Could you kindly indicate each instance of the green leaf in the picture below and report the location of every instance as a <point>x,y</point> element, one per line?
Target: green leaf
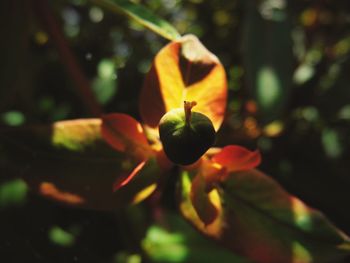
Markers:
<point>176,241</point>
<point>13,118</point>
<point>12,192</point>
<point>268,58</point>
<point>69,162</point>
<point>264,223</point>
<point>61,237</point>
<point>105,84</point>
<point>141,15</point>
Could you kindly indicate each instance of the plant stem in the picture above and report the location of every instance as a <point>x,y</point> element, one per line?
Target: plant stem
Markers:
<point>81,84</point>
<point>188,105</point>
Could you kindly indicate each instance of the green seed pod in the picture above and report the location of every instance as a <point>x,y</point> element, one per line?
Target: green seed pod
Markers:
<point>186,135</point>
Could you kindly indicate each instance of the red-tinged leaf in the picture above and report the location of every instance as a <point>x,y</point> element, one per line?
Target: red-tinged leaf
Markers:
<point>163,161</point>
<point>141,183</point>
<point>125,134</point>
<point>70,162</point>
<point>122,181</point>
<point>50,191</point>
<point>184,70</point>
<point>237,158</point>
<point>201,202</point>
<point>213,229</point>
<point>264,223</point>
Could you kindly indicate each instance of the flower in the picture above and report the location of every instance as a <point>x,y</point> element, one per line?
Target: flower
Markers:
<point>182,70</point>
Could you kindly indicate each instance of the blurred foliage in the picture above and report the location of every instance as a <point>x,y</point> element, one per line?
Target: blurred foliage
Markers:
<point>13,193</point>
<point>293,104</point>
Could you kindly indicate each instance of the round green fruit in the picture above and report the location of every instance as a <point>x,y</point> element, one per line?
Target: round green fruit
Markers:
<point>186,135</point>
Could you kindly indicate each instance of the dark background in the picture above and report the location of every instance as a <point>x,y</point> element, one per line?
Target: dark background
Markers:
<point>302,132</point>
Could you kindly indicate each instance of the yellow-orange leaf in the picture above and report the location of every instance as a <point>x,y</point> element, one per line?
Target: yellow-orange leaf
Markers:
<point>184,70</point>
<point>70,163</point>
<point>266,224</point>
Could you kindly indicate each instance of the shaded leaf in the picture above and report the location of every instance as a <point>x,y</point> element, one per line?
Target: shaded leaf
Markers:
<point>266,224</point>
<point>125,134</point>
<point>187,209</point>
<point>122,181</point>
<point>268,57</point>
<point>201,202</point>
<point>141,185</point>
<point>70,162</point>
<point>237,158</point>
<point>141,180</point>
<point>173,240</point>
<point>141,15</point>
<point>184,70</point>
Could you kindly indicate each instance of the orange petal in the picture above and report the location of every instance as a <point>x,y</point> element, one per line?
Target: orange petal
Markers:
<point>237,158</point>
<point>184,70</point>
<point>125,134</point>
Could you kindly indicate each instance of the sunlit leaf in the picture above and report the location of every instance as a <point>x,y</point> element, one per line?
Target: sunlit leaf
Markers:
<point>266,224</point>
<point>75,135</point>
<point>184,70</point>
<point>237,158</point>
<point>69,162</point>
<point>125,134</point>
<point>141,15</point>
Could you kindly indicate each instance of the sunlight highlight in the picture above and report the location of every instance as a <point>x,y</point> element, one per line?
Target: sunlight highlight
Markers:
<point>301,214</point>
<point>300,254</point>
<point>164,246</point>
<point>144,193</point>
<point>214,229</point>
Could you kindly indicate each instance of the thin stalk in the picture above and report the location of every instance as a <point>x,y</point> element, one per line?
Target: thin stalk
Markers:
<point>188,105</point>
<point>81,84</point>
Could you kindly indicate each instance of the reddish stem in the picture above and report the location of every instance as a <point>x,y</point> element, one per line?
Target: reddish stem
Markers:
<point>188,105</point>
<point>81,84</point>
